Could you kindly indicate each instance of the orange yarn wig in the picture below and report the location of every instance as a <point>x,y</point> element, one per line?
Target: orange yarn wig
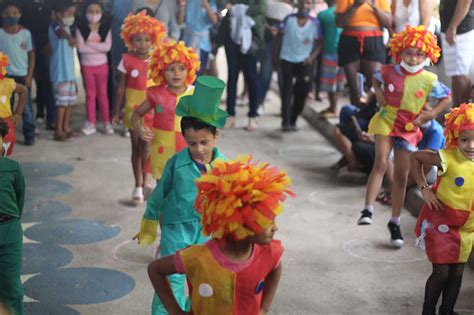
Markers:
<point>141,23</point>
<point>4,63</point>
<point>415,37</point>
<point>168,52</point>
<point>240,199</point>
<point>458,120</point>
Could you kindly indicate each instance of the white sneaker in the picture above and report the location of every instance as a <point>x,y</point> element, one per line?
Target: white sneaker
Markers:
<point>137,195</point>
<point>109,129</point>
<point>39,120</point>
<point>126,133</point>
<point>89,128</point>
<point>37,131</point>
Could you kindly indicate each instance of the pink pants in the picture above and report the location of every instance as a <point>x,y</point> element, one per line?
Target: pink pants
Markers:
<point>95,82</point>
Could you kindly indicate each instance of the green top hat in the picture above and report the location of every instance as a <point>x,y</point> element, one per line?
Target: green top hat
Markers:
<point>203,104</point>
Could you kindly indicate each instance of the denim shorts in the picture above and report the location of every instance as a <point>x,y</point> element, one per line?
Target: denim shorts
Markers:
<point>401,144</point>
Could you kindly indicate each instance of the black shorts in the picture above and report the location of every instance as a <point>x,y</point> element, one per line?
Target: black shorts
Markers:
<point>349,50</point>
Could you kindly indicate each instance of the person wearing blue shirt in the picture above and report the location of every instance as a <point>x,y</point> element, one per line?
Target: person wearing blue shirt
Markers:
<point>301,43</point>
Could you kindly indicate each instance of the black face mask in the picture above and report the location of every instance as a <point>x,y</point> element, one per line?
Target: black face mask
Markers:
<point>302,13</point>
<point>11,20</point>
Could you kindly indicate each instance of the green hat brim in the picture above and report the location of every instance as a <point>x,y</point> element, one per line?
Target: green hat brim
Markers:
<point>183,110</point>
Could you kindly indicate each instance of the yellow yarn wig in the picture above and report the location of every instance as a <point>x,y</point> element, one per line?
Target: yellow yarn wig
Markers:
<point>239,198</point>
<point>168,52</point>
<point>458,120</point>
<point>141,23</point>
<point>4,63</point>
<point>415,37</point>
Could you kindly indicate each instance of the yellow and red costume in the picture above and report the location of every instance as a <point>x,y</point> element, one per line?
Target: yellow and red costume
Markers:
<point>166,124</point>
<point>449,234</point>
<point>7,87</point>
<point>406,93</point>
<point>136,69</point>
<point>236,200</point>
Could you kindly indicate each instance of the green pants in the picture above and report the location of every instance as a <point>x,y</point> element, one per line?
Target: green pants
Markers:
<point>11,245</point>
<point>173,238</point>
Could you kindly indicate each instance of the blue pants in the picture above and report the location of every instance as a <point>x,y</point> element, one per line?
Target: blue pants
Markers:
<point>173,238</point>
<point>28,125</point>
<point>237,61</point>
<point>266,71</point>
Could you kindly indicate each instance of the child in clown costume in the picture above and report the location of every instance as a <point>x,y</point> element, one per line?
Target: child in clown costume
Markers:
<point>7,88</point>
<point>172,202</point>
<point>402,91</point>
<point>12,196</point>
<point>139,33</point>
<point>445,227</point>
<point>173,69</point>
<point>238,270</point>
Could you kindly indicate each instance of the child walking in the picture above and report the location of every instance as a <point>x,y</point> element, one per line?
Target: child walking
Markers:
<point>173,69</point>
<point>238,270</point>
<point>445,227</point>
<point>61,66</point>
<point>140,33</point>
<point>402,91</point>
<point>94,41</point>
<point>7,88</point>
<point>172,202</point>
<point>12,195</point>
<point>16,42</point>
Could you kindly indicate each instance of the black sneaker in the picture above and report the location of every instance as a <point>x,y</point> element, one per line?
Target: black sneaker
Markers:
<point>365,218</point>
<point>396,237</point>
<point>29,141</point>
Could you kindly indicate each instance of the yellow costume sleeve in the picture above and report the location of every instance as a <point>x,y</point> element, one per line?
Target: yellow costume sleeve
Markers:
<point>147,235</point>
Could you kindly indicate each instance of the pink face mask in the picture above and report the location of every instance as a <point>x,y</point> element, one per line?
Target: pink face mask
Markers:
<point>93,18</point>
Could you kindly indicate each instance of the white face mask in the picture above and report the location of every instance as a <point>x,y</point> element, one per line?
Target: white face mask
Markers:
<point>412,69</point>
<point>68,21</point>
<point>93,18</point>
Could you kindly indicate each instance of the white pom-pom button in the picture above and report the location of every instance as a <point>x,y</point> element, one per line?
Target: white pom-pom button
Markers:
<point>135,73</point>
<point>443,228</point>
<point>391,87</point>
<point>3,99</point>
<point>205,290</point>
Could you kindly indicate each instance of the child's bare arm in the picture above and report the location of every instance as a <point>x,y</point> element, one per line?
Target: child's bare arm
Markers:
<point>61,32</point>
<point>433,112</point>
<point>122,83</point>
<point>22,92</point>
<point>378,92</point>
<point>157,271</point>
<point>316,50</point>
<point>417,160</point>
<point>271,285</point>
<point>31,68</point>
<point>145,133</point>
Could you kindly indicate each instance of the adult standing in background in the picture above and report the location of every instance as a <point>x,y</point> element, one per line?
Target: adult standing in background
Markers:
<point>457,39</point>
<point>361,47</point>
<point>412,12</point>
<point>166,11</point>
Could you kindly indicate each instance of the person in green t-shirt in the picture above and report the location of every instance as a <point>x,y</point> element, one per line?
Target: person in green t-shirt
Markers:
<point>12,195</point>
<point>332,77</point>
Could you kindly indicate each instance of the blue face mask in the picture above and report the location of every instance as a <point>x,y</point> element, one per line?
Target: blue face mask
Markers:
<point>302,13</point>
<point>10,20</point>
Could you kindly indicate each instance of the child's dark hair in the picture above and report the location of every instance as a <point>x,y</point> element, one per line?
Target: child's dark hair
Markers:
<point>3,128</point>
<point>83,24</point>
<point>13,3</point>
<point>63,5</point>
<point>148,11</point>
<point>196,124</point>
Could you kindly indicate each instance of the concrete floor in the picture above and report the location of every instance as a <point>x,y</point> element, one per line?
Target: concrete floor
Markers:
<point>331,265</point>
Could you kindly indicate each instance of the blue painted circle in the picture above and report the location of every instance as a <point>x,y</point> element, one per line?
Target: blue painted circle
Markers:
<point>46,188</point>
<point>459,181</point>
<point>159,108</point>
<point>79,286</point>
<point>45,169</point>
<point>44,257</point>
<point>35,308</point>
<point>38,210</point>
<point>260,287</point>
<point>71,232</point>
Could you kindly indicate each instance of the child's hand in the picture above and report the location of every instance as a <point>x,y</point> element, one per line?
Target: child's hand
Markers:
<point>431,200</point>
<point>423,117</point>
<point>380,98</point>
<point>137,238</point>
<point>115,119</point>
<point>146,134</point>
<point>28,82</point>
<point>15,118</point>
<point>72,41</point>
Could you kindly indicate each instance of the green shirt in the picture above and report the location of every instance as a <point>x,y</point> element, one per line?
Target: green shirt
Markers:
<point>172,201</point>
<point>12,188</point>
<point>331,33</point>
